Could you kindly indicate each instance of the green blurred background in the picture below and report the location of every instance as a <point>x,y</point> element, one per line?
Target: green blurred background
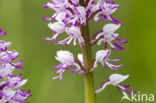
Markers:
<point>22,19</point>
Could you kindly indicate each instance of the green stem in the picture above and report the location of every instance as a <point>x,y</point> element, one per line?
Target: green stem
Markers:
<point>89,88</point>
<point>87,61</point>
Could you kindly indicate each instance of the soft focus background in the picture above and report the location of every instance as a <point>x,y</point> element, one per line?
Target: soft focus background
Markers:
<point>22,19</point>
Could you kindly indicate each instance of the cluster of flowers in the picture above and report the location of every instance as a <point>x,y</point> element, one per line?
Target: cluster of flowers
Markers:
<point>69,17</point>
<point>9,85</point>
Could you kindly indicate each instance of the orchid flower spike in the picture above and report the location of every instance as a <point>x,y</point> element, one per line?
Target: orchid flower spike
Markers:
<point>115,80</point>
<point>10,88</point>
<point>108,36</point>
<point>71,18</point>
<point>66,60</point>
<point>102,56</point>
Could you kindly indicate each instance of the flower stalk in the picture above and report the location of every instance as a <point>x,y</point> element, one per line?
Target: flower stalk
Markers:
<point>87,61</point>
<point>89,88</point>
